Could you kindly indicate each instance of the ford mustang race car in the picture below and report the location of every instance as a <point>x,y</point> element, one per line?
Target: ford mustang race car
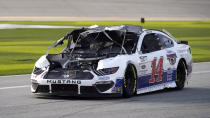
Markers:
<point>117,60</point>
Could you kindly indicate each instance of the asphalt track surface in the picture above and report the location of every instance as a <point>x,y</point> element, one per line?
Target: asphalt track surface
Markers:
<point>16,101</point>
<point>104,9</point>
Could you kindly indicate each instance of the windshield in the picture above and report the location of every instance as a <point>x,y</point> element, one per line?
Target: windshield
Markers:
<point>101,41</point>
<point>94,41</point>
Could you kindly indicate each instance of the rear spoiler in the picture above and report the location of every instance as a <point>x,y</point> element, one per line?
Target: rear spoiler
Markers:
<point>179,42</point>
<point>182,42</point>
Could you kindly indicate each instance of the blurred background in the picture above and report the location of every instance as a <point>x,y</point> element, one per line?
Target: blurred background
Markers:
<point>185,9</point>
<point>29,27</point>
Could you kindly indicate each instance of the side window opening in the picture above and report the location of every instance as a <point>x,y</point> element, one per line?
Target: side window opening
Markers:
<point>165,41</point>
<point>130,42</point>
<point>151,43</point>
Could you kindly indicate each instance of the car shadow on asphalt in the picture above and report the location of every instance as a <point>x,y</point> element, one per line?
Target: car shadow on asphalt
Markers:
<point>165,95</point>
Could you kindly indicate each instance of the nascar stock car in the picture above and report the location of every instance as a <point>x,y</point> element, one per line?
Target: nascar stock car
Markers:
<point>117,60</point>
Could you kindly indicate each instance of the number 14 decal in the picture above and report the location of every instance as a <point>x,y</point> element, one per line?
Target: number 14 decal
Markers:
<point>157,71</point>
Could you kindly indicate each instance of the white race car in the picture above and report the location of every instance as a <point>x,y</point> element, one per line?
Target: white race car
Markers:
<point>117,60</point>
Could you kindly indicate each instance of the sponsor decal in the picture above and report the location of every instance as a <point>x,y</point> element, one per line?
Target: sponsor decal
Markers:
<point>169,75</point>
<point>118,90</point>
<point>118,86</point>
<point>143,58</point>
<point>172,58</point>
<point>113,90</point>
<point>143,66</point>
<point>143,69</point>
<point>64,81</point>
<point>142,72</point>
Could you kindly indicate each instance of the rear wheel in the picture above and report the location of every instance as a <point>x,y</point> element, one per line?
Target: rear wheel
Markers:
<point>129,84</point>
<point>180,75</point>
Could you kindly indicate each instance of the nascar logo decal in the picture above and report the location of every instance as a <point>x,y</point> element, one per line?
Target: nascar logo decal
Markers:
<point>143,58</point>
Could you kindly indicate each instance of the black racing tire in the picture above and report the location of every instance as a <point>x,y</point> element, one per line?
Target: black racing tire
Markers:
<point>129,81</point>
<point>180,75</point>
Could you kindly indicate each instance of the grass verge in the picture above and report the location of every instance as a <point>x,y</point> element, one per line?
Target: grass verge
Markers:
<point>20,48</point>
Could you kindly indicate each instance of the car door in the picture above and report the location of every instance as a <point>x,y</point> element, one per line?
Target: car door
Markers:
<point>167,44</point>
<point>151,61</point>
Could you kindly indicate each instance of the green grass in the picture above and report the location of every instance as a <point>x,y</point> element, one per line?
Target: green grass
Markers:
<point>20,48</point>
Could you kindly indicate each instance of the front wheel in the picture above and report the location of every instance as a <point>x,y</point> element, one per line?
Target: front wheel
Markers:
<point>129,83</point>
<point>180,75</point>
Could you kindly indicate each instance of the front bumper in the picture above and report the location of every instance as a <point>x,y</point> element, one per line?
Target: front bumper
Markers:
<point>69,90</point>
<point>76,87</point>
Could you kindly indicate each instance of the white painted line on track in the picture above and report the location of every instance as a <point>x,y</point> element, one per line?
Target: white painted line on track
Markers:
<point>200,72</point>
<point>14,87</point>
<point>16,26</point>
<point>202,63</point>
<point>14,75</point>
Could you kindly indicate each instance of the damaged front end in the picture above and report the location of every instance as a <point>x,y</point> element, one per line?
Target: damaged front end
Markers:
<point>76,68</point>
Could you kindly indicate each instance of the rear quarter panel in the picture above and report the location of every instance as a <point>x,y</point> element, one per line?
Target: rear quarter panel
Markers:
<point>184,52</point>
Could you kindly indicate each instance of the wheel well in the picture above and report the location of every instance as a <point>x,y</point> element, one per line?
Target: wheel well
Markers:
<point>134,68</point>
<point>130,68</point>
<point>180,81</point>
<point>136,74</point>
<point>182,59</point>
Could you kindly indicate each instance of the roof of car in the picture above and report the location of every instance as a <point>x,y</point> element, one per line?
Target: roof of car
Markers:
<point>124,28</point>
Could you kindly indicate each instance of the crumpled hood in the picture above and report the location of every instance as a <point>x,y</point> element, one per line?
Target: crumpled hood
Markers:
<point>111,62</point>
<point>42,62</point>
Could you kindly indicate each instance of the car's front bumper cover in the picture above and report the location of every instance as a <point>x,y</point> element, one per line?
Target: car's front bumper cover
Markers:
<point>75,88</point>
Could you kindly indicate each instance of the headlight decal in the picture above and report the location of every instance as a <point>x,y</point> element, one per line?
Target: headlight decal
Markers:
<point>37,71</point>
<point>108,71</point>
